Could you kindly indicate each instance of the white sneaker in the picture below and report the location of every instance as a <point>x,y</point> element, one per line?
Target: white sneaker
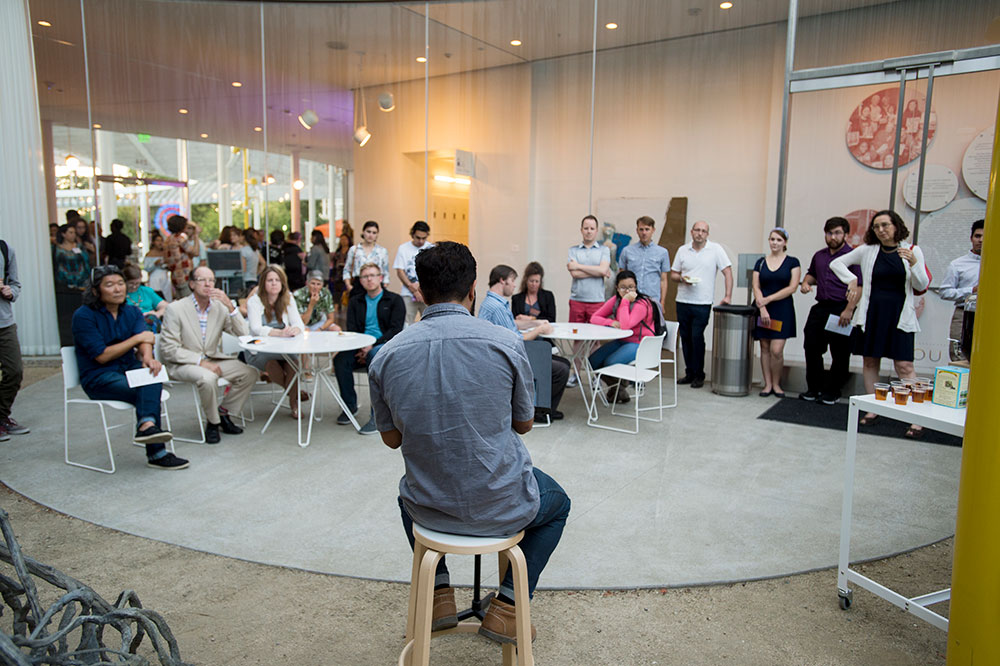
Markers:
<point>571,382</point>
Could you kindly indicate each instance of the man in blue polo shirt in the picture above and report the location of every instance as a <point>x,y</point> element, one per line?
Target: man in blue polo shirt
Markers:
<point>495,310</point>
<point>379,313</point>
<point>650,262</point>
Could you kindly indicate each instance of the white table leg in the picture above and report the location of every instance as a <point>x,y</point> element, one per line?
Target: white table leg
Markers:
<point>845,513</point>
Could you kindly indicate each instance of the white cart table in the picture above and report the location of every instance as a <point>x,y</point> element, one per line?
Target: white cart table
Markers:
<point>928,415</point>
<point>309,343</point>
<point>587,335</point>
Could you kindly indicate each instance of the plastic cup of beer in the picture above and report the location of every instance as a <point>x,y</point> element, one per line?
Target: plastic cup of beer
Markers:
<point>919,392</point>
<point>575,330</point>
<point>881,391</point>
<point>901,395</point>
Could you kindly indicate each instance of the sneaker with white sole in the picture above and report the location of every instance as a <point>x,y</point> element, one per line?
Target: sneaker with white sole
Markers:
<point>13,427</point>
<point>152,435</point>
<point>3,434</point>
<point>369,428</point>
<point>344,419</point>
<point>168,462</point>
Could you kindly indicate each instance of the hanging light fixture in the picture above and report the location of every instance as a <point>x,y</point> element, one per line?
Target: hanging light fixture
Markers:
<point>386,102</point>
<point>308,119</point>
<point>361,133</point>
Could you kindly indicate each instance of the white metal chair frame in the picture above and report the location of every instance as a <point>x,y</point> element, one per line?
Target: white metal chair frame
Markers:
<point>71,380</point>
<point>640,372</point>
<point>670,345</point>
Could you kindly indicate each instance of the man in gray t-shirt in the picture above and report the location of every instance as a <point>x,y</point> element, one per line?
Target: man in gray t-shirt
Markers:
<point>454,393</point>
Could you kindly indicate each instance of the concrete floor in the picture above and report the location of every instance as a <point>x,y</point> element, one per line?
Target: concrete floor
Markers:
<point>711,494</point>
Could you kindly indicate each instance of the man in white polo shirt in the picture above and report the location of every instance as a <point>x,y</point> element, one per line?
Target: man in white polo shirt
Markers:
<point>694,269</point>
<point>406,255</point>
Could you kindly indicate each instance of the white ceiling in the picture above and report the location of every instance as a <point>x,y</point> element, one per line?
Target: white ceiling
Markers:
<point>148,58</point>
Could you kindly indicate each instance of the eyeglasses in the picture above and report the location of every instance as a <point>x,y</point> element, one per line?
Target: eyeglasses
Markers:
<point>371,276</point>
<point>97,273</point>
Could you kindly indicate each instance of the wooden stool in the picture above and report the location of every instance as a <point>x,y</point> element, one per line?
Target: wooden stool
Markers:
<point>428,547</point>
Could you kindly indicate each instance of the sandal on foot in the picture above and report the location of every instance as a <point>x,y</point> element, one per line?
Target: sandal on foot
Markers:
<point>915,432</point>
<point>867,419</point>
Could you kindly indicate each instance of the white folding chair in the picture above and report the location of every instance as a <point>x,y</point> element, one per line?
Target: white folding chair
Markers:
<point>643,370</point>
<point>670,345</point>
<point>71,380</point>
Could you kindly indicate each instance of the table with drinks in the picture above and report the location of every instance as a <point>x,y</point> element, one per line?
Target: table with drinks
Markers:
<point>910,402</point>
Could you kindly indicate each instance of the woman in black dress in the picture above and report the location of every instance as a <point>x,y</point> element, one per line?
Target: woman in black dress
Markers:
<point>891,269</point>
<point>533,302</point>
<point>775,278</point>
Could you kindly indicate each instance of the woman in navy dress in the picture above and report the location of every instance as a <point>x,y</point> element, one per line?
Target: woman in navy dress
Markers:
<point>775,278</point>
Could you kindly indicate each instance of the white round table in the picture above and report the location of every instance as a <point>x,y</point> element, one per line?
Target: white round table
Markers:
<point>576,341</point>
<point>309,343</point>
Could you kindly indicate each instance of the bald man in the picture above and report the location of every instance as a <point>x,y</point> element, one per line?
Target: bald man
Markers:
<point>694,269</point>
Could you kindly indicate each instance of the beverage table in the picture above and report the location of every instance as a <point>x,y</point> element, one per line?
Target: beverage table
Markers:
<point>587,335</point>
<point>928,415</point>
<point>309,344</point>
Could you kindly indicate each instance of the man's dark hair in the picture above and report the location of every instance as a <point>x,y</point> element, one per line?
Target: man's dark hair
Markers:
<point>977,225</point>
<point>92,289</point>
<point>419,225</point>
<point>176,224</point>
<point>646,221</point>
<point>277,237</point>
<point>117,225</point>
<point>445,272</point>
<point>590,217</point>
<point>901,232</point>
<point>835,222</point>
<point>72,216</point>
<point>501,273</point>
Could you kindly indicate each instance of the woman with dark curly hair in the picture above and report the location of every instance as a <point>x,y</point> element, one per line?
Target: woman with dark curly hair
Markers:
<point>891,270</point>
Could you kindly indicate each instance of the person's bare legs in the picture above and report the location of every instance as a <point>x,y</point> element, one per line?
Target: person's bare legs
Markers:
<point>870,371</point>
<point>777,364</point>
<point>765,364</point>
<point>282,374</point>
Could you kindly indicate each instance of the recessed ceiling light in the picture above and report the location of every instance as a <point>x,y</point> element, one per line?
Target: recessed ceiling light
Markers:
<point>182,111</point>
<point>258,129</point>
<point>45,24</point>
<point>726,5</point>
<point>421,59</point>
<point>203,135</point>
<point>97,125</point>
<point>515,42</point>
<point>237,84</point>
<point>611,26</point>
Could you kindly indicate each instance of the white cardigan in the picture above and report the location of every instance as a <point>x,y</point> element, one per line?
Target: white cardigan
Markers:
<point>865,255</point>
<point>255,316</point>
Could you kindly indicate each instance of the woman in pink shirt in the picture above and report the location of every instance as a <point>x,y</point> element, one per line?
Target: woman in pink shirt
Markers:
<point>629,310</point>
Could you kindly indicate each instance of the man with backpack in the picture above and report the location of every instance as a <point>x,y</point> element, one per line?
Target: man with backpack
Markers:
<point>11,369</point>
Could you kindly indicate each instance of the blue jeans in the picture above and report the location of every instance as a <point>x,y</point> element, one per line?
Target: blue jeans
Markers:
<point>691,323</point>
<point>112,385</point>
<point>344,365</point>
<point>541,535</point>
<point>613,352</point>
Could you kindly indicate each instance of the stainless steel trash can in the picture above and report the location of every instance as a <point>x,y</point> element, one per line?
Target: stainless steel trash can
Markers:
<point>732,349</point>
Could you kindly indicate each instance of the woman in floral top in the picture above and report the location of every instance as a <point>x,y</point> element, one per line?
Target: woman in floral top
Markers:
<point>365,252</point>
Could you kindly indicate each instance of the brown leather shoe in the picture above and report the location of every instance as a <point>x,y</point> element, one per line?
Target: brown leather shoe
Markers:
<point>445,614</point>
<point>499,623</point>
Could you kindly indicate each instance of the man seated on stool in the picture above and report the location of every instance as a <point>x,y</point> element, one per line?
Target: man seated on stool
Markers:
<point>190,346</point>
<point>453,392</point>
<point>379,313</point>
<point>496,311</point>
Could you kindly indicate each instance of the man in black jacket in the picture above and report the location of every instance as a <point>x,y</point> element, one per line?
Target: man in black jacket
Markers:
<point>379,313</point>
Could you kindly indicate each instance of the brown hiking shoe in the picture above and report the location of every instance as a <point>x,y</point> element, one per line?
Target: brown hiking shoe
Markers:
<point>499,623</point>
<point>445,614</point>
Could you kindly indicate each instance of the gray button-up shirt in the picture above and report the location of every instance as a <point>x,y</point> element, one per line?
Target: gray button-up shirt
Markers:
<point>591,289</point>
<point>648,262</point>
<point>452,384</point>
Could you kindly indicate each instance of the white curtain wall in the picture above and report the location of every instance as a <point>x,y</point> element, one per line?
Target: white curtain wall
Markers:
<point>23,222</point>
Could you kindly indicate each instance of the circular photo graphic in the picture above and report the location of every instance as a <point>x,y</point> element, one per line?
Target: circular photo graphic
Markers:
<point>859,220</point>
<point>976,163</point>
<point>871,129</point>
<point>944,235</point>
<point>940,187</point>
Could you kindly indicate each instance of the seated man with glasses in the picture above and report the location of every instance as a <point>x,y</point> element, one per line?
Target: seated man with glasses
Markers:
<point>111,338</point>
<point>379,313</point>
<point>191,347</point>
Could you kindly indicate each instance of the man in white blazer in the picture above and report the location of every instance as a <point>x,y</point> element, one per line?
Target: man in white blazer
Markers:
<point>190,344</point>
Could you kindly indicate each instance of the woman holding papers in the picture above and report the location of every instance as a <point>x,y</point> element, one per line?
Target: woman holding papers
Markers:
<point>111,338</point>
<point>891,269</point>
<point>775,278</point>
